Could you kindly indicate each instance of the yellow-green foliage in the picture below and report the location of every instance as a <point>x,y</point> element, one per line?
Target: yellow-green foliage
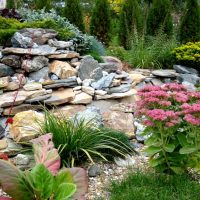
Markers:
<point>9,26</point>
<point>188,54</point>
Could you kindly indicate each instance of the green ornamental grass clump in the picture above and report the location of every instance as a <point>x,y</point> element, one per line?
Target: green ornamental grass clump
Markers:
<point>78,140</point>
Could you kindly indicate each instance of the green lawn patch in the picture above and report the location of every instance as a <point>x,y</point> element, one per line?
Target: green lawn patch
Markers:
<point>150,186</point>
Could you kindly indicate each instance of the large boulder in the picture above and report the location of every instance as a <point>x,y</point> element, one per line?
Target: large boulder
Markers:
<point>35,64</point>
<point>90,69</point>
<point>114,61</point>
<point>62,69</point>
<point>91,114</point>
<point>119,121</point>
<point>25,125</point>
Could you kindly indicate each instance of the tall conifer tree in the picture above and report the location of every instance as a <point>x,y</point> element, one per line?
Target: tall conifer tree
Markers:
<point>101,21</point>
<point>131,22</point>
<point>190,23</point>
<point>73,12</point>
<point>160,18</point>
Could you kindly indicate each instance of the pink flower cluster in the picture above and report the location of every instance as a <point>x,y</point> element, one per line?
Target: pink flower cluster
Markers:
<point>169,104</point>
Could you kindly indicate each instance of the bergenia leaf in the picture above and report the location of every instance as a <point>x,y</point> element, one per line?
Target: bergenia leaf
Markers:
<point>65,191</point>
<point>45,153</point>
<point>9,181</point>
<point>43,181</point>
<point>63,176</point>
<point>80,179</point>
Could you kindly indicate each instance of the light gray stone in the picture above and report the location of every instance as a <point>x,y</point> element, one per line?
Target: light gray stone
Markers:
<point>165,73</point>
<point>91,114</point>
<point>191,78</point>
<point>119,89</point>
<point>21,159</point>
<point>40,74</point>
<point>60,44</point>
<point>104,82</point>
<point>94,171</point>
<point>189,86</point>
<point>89,69</point>
<point>18,40</point>
<point>185,70</point>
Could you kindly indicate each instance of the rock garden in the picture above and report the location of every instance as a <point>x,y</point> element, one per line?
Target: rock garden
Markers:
<point>78,122</point>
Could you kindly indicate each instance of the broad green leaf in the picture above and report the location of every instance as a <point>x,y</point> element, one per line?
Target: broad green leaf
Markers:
<point>157,161</point>
<point>177,170</point>
<point>152,150</point>
<point>10,182</point>
<point>169,148</point>
<point>151,141</point>
<point>64,176</point>
<point>65,191</point>
<point>182,139</point>
<point>43,181</point>
<point>187,150</point>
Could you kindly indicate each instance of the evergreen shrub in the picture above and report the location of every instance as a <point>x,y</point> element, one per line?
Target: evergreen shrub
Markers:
<point>101,21</point>
<point>160,18</point>
<point>190,23</point>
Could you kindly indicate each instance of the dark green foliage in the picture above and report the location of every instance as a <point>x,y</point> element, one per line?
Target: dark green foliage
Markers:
<point>190,23</point>
<point>40,4</point>
<point>79,140</point>
<point>150,186</point>
<point>73,12</point>
<point>160,18</point>
<point>10,4</point>
<point>101,21</point>
<point>131,23</point>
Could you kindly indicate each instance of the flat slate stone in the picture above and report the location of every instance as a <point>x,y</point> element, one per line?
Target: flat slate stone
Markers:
<point>165,73</point>
<point>68,55</point>
<point>43,50</point>
<point>38,99</point>
<point>60,97</point>
<point>21,108</point>
<point>120,89</point>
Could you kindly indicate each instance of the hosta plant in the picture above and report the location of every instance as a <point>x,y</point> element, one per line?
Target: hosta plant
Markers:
<point>172,116</point>
<point>45,181</point>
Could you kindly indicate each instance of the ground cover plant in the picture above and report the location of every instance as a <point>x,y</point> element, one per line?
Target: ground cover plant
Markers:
<point>78,140</point>
<point>151,186</point>
<point>172,116</point>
